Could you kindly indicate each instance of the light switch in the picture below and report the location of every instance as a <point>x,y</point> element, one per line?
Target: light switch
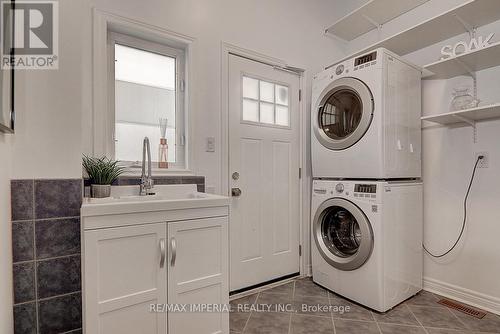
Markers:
<point>210,144</point>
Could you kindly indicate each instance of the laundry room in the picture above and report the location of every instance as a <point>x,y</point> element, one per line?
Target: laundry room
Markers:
<point>230,166</point>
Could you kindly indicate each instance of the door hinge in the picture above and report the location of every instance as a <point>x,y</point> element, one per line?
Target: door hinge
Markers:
<point>300,250</point>
<point>182,85</point>
<point>300,94</point>
<point>300,173</point>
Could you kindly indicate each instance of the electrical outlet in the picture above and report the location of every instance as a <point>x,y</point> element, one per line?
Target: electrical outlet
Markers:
<point>484,162</point>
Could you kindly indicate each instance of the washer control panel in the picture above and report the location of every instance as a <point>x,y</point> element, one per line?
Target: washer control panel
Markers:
<point>367,191</point>
<point>365,188</point>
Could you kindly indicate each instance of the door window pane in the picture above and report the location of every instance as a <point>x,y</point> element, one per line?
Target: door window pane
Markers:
<point>266,91</point>
<point>265,102</point>
<point>250,110</point>
<point>282,95</point>
<point>282,116</point>
<point>250,88</point>
<point>266,113</point>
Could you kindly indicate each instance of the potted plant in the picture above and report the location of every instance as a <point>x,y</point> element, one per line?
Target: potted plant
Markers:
<point>102,172</point>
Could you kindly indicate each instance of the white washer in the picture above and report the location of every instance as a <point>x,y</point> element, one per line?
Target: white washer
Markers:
<point>367,240</point>
<point>365,119</point>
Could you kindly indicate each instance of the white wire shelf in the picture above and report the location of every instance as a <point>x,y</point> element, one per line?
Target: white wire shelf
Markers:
<point>460,19</point>
<point>469,116</point>
<point>370,16</point>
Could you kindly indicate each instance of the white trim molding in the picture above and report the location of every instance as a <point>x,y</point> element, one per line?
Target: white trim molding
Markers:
<point>470,297</point>
<point>103,23</point>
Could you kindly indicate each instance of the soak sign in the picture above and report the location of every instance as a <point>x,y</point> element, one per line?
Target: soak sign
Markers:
<point>475,43</point>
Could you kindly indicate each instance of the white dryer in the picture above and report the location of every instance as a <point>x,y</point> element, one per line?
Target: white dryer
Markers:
<point>365,119</point>
<point>367,240</point>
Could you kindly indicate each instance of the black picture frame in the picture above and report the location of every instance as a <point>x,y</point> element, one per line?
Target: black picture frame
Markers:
<point>10,126</point>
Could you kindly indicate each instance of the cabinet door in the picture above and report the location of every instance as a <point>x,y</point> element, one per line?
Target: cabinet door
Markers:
<point>198,274</point>
<point>123,277</point>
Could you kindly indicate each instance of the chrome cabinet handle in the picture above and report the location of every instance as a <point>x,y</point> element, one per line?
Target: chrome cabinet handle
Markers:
<point>173,247</point>
<point>162,253</point>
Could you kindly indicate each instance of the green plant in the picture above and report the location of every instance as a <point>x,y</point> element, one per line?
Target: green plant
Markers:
<point>102,170</point>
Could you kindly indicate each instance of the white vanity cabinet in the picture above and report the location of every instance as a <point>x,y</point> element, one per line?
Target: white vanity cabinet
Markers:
<point>137,265</point>
<point>122,277</point>
<point>198,274</point>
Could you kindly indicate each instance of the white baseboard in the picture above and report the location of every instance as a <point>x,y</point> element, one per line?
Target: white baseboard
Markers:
<point>470,297</point>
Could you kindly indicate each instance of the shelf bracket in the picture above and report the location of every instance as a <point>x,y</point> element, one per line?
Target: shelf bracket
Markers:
<point>465,120</point>
<point>373,22</point>
<point>335,37</point>
<point>466,68</point>
<point>467,26</point>
<point>471,73</point>
<point>471,122</point>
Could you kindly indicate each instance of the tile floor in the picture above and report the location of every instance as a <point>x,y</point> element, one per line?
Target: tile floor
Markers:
<point>418,315</point>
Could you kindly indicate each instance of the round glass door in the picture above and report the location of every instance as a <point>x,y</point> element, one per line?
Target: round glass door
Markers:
<point>343,234</point>
<point>340,232</point>
<point>341,114</point>
<point>344,113</point>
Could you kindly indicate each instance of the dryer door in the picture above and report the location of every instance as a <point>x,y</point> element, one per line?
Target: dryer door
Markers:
<point>343,114</point>
<point>343,234</point>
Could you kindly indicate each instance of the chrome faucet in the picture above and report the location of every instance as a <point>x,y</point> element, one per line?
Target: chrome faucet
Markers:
<point>146,180</point>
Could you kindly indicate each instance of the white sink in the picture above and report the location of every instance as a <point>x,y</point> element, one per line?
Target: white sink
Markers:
<point>126,199</point>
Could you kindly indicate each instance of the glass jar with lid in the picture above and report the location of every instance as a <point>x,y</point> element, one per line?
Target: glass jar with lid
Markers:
<point>462,99</point>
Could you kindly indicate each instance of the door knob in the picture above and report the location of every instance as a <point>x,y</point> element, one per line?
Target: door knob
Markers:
<point>236,192</point>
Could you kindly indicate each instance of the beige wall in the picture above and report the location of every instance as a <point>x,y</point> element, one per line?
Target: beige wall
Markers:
<point>5,237</point>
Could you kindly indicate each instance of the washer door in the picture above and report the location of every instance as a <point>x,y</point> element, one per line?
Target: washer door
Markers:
<point>343,234</point>
<point>343,114</point>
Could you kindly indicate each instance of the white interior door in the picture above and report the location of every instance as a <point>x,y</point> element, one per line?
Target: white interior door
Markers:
<point>264,153</point>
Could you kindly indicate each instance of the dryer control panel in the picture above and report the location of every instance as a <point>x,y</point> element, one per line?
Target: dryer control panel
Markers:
<point>365,58</point>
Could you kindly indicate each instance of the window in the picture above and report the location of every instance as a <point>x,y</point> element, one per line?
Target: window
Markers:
<point>265,102</point>
<point>148,83</point>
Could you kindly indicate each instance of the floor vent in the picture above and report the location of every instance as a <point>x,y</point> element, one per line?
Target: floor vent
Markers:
<point>462,308</point>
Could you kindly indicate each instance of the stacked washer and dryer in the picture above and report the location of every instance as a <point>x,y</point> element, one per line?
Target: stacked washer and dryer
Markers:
<point>367,195</point>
